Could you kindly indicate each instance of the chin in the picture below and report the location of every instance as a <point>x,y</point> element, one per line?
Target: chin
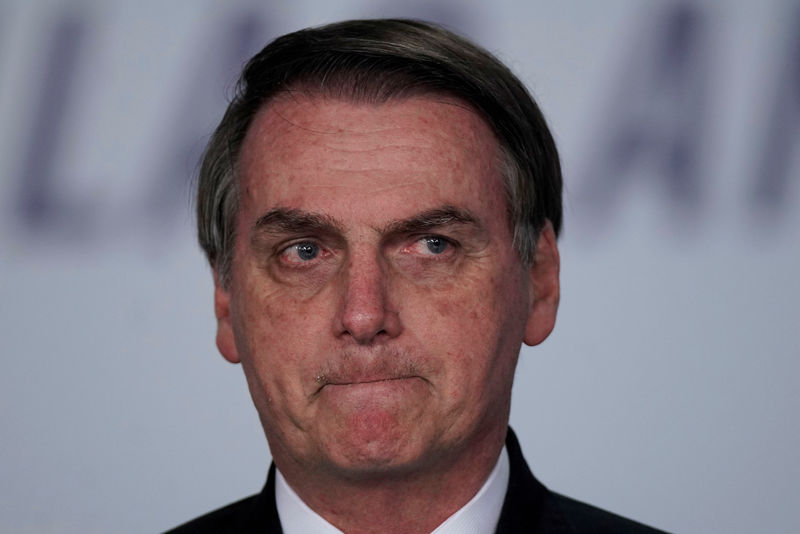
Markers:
<point>376,445</point>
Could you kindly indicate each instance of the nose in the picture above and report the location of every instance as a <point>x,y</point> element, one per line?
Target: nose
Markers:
<point>366,312</point>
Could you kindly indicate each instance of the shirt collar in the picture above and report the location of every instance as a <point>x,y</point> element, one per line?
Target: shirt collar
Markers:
<point>479,516</point>
<point>295,515</point>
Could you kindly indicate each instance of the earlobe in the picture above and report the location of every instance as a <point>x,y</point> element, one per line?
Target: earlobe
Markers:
<point>544,287</point>
<point>222,309</point>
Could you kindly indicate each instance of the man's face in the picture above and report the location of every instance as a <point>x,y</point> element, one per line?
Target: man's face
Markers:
<point>377,303</point>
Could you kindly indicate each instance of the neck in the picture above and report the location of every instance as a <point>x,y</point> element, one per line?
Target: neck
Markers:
<point>412,501</point>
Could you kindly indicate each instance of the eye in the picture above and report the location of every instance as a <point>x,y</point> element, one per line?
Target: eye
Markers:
<point>435,245</point>
<point>300,252</point>
<point>430,245</point>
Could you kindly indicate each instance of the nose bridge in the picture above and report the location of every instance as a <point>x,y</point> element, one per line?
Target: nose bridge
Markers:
<point>364,296</point>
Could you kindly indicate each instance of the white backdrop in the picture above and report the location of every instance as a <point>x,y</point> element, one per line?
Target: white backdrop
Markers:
<point>669,390</point>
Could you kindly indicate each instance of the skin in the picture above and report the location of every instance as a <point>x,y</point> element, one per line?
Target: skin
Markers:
<point>377,305</point>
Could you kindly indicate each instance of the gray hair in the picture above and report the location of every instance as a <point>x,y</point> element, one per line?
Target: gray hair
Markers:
<point>375,61</point>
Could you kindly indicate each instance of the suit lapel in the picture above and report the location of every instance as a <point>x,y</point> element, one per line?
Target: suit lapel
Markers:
<point>528,507</point>
<point>262,516</point>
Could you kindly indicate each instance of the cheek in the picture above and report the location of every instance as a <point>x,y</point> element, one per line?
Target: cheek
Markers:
<point>454,318</point>
<point>457,323</point>
<point>476,324</point>
<point>276,337</point>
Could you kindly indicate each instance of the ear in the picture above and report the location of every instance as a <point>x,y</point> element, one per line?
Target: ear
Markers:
<point>544,288</point>
<point>222,309</point>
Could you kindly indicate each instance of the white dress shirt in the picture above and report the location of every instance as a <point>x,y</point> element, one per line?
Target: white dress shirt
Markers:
<point>479,516</point>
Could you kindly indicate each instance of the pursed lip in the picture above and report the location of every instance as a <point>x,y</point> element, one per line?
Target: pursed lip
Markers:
<point>367,381</point>
<point>354,369</point>
<point>341,381</point>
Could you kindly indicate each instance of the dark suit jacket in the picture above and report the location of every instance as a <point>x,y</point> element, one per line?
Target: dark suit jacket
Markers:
<point>529,508</point>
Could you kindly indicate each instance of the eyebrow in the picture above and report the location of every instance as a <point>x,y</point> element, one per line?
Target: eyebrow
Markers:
<point>293,221</point>
<point>430,220</point>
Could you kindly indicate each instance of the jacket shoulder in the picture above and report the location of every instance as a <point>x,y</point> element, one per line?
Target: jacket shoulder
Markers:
<point>257,514</point>
<point>223,520</point>
<point>587,519</point>
<point>531,507</point>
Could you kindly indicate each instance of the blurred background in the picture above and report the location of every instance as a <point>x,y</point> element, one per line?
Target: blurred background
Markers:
<point>669,391</point>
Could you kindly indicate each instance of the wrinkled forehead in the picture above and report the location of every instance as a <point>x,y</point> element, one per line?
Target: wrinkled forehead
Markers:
<point>302,142</point>
<point>324,116</point>
<point>294,122</point>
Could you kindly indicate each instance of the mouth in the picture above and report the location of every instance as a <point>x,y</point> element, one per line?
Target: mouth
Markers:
<point>364,395</point>
<point>352,373</point>
<point>374,385</point>
<point>323,380</point>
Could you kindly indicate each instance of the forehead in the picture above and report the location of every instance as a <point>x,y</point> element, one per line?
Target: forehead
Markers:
<point>322,154</point>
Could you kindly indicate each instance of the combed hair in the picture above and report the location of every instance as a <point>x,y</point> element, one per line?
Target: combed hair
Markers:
<point>374,61</point>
